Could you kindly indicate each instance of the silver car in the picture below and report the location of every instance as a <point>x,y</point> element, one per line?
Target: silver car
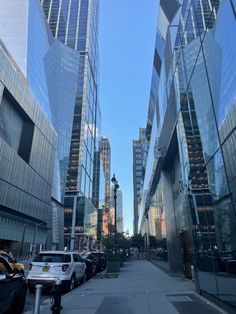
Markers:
<point>48,266</point>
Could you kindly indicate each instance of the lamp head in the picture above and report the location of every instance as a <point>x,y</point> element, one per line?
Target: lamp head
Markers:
<point>113,179</point>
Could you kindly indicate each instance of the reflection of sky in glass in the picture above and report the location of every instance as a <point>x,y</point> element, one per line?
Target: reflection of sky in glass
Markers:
<point>225,36</point>
<point>162,23</point>
<point>162,98</point>
<point>15,34</point>
<point>62,64</point>
<point>38,46</point>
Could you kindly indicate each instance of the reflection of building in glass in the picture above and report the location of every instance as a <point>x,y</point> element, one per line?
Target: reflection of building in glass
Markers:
<point>191,129</point>
<point>75,24</point>
<point>138,171</point>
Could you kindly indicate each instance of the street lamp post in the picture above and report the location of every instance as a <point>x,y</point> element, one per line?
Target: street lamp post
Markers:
<point>116,187</point>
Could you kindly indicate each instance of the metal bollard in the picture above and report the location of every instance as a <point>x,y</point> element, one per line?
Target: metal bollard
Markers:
<point>56,307</point>
<point>37,302</point>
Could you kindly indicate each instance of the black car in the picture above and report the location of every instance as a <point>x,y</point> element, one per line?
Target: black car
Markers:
<point>101,261</point>
<point>91,264</point>
<point>12,289</point>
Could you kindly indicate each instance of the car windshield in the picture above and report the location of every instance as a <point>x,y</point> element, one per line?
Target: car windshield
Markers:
<point>53,258</point>
<point>86,256</point>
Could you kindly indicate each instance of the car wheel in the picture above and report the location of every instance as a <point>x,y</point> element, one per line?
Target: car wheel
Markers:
<point>19,302</point>
<point>84,278</point>
<point>72,283</point>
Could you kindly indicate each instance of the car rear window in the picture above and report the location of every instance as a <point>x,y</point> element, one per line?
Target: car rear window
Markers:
<point>53,258</point>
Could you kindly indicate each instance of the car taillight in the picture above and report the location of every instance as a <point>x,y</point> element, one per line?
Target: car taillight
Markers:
<point>64,267</point>
<point>30,266</point>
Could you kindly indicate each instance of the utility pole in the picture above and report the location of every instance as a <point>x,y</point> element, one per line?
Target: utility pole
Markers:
<point>116,187</point>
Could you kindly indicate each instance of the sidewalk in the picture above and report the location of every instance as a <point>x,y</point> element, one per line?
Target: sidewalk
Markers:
<point>140,288</point>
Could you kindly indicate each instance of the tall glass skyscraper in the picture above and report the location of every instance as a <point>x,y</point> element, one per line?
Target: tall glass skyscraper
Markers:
<point>75,23</point>
<point>192,126</point>
<point>52,71</point>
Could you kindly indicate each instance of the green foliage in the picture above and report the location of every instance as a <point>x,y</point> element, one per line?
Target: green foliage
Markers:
<point>137,241</point>
<point>108,242</point>
<point>162,244</point>
<point>153,242</point>
<point>122,242</point>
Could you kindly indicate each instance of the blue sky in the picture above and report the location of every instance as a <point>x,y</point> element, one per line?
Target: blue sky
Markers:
<point>126,40</point>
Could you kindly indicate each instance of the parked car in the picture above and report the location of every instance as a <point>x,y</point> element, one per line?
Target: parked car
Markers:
<point>228,262</point>
<point>48,266</point>
<point>91,263</point>
<point>15,264</point>
<point>101,261</point>
<point>13,289</point>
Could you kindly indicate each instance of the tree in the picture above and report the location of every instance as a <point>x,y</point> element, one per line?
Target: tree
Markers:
<point>122,242</point>
<point>153,242</point>
<point>137,240</point>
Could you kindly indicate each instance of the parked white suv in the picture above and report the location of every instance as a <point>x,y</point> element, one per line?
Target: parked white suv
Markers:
<point>48,266</point>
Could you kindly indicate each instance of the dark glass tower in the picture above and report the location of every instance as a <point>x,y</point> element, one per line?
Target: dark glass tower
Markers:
<point>75,23</point>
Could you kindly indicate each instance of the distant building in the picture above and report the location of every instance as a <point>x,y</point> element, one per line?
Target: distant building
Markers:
<point>105,149</point>
<point>120,223</point>
<point>138,172</point>
<point>99,191</point>
<point>119,211</point>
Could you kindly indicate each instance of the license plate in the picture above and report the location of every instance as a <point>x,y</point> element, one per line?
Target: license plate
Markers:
<point>45,269</point>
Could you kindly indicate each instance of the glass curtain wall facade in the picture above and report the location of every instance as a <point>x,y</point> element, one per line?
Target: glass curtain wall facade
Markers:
<point>27,152</point>
<point>61,66</point>
<point>195,139</point>
<point>52,71</point>
<point>75,24</point>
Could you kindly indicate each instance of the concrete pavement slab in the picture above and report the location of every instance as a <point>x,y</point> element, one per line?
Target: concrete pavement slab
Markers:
<point>140,288</point>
